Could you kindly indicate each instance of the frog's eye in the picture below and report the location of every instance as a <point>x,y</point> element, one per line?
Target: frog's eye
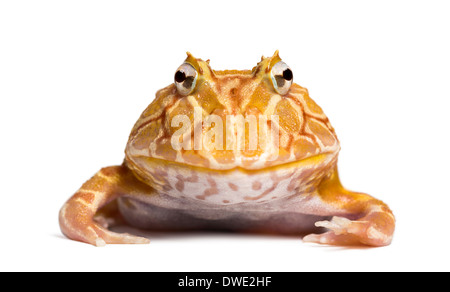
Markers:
<point>185,78</point>
<point>281,77</point>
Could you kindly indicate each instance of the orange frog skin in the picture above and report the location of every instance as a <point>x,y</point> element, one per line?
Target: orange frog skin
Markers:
<point>282,180</point>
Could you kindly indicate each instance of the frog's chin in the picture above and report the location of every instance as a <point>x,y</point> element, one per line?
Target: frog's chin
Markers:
<point>237,185</point>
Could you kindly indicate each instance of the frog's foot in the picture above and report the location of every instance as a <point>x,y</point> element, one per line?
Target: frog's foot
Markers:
<point>374,229</point>
<point>76,217</point>
<point>369,221</point>
<point>76,221</point>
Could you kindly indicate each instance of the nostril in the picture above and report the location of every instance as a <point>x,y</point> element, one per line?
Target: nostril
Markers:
<point>233,91</point>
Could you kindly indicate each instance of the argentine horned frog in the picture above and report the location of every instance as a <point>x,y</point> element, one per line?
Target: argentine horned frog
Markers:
<point>243,150</point>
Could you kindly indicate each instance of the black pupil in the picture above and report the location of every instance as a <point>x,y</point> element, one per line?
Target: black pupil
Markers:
<point>287,74</point>
<point>180,76</point>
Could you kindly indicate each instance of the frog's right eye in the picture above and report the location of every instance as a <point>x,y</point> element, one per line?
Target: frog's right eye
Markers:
<point>185,79</point>
<point>281,77</point>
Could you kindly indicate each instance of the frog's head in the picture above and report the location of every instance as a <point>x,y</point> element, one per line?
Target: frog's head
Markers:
<point>251,119</point>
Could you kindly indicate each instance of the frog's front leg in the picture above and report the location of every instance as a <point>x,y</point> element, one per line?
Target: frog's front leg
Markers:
<point>76,217</point>
<point>359,218</point>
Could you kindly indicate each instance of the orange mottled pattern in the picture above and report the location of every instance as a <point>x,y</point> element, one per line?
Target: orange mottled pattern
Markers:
<point>236,97</point>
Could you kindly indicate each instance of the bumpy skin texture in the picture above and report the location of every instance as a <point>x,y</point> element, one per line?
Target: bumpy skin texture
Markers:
<point>290,185</point>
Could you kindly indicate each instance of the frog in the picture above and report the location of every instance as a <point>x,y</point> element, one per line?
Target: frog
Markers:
<point>171,180</point>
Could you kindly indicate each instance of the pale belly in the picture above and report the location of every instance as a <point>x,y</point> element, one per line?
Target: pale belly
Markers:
<point>277,200</point>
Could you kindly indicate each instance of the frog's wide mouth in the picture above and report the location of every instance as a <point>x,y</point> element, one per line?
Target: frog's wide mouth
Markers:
<point>142,163</point>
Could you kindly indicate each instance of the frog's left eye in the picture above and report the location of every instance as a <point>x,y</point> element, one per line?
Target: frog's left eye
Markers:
<point>185,79</point>
<point>282,77</point>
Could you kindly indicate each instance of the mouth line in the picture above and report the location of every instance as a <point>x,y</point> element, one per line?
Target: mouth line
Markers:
<point>302,163</point>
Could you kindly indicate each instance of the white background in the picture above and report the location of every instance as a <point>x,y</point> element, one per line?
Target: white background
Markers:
<point>75,76</point>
